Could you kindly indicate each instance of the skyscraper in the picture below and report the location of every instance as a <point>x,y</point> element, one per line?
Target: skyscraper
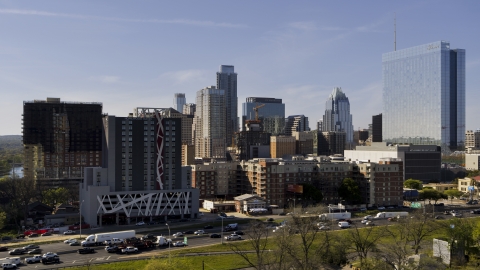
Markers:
<point>60,139</point>
<point>209,123</point>
<point>337,114</point>
<point>296,123</point>
<point>227,81</point>
<point>377,128</point>
<point>179,101</point>
<point>424,95</point>
<point>272,113</point>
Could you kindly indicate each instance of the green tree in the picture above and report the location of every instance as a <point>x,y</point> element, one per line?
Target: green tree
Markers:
<point>413,184</point>
<point>3,219</point>
<point>53,197</point>
<point>311,194</point>
<point>452,193</point>
<point>473,173</point>
<point>349,191</point>
<point>431,194</point>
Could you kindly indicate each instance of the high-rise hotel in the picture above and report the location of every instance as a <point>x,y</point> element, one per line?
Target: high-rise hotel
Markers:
<point>424,95</point>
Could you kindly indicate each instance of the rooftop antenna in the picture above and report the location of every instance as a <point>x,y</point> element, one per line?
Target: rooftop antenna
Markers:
<point>395,32</point>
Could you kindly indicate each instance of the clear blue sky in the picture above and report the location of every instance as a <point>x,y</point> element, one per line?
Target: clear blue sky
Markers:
<point>130,54</point>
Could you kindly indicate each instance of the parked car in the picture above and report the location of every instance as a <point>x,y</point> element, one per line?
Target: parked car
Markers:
<point>6,238</point>
<point>35,251</point>
<point>68,232</point>
<point>20,236</point>
<point>128,250</point>
<point>199,232</point>
<point>370,223</point>
<point>141,223</point>
<point>363,209</point>
<point>215,235</point>
<point>381,208</point>
<point>113,249</point>
<point>208,227</point>
<point>8,266</point>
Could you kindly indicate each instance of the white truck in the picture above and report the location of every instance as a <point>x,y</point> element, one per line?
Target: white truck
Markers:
<point>14,260</point>
<point>390,215</point>
<point>163,241</point>
<point>330,216</point>
<point>344,225</point>
<point>34,259</point>
<point>100,238</point>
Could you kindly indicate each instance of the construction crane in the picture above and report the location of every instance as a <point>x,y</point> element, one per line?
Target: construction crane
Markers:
<point>255,109</point>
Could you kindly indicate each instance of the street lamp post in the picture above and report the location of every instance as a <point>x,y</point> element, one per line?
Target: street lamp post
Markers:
<point>80,212</point>
<point>169,242</point>
<point>221,233</point>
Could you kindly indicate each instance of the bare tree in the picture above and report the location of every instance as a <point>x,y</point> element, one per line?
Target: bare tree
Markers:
<point>396,251</point>
<point>364,240</point>
<point>420,227</point>
<point>258,236</point>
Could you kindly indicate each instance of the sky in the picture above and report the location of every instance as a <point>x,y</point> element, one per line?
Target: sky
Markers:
<point>129,54</point>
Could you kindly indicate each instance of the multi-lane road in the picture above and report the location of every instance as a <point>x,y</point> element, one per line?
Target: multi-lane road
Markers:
<point>70,257</point>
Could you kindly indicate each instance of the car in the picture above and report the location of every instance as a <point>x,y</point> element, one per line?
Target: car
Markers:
<point>35,251</point>
<point>152,222</point>
<point>215,235</point>
<point>149,237</point>
<point>69,241</point>
<point>4,248</point>
<point>33,235</point>
<point>381,208</point>
<point>233,237</point>
<point>17,251</point>
<point>390,207</point>
<point>363,209</point>
<point>370,223</point>
<point>20,236</point>
<point>50,255</point>
<point>476,211</point>
<point>457,214</point>
<point>208,227</point>
<point>6,238</point>
<point>86,250</point>
<point>34,259</point>
<point>111,249</point>
<point>439,204</point>
<point>222,214</point>
<point>129,250</point>
<point>364,221</point>
<point>324,228</point>
<point>230,217</point>
<point>46,234</point>
<point>188,232</point>
<point>439,217</point>
<point>68,232</point>
<point>141,223</point>
<point>30,247</point>
<point>239,232</point>
<point>74,244</point>
<point>47,260</point>
<point>178,234</point>
<point>179,244</point>
<point>199,232</point>
<point>8,266</point>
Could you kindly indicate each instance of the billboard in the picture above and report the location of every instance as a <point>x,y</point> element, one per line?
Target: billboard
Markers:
<point>295,188</point>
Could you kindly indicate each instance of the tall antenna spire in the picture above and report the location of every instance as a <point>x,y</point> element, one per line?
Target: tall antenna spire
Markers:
<point>395,32</point>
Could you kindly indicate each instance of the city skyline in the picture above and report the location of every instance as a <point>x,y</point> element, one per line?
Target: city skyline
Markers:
<point>140,55</point>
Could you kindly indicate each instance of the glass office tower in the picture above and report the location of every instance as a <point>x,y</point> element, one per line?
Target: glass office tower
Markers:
<point>424,95</point>
<point>272,113</point>
<point>337,115</point>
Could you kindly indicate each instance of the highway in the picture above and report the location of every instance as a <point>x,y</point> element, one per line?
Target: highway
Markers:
<point>70,257</point>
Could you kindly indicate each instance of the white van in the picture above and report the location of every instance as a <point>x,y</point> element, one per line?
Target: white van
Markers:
<point>343,224</point>
<point>15,260</point>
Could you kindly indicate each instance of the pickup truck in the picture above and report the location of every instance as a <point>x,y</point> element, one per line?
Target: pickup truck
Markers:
<point>130,250</point>
<point>34,259</point>
<point>233,237</point>
<point>86,250</point>
<point>8,266</point>
<point>47,260</point>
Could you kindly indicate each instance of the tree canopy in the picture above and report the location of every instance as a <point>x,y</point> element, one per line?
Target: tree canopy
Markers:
<point>349,191</point>
<point>413,184</point>
<point>432,194</point>
<point>311,193</point>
